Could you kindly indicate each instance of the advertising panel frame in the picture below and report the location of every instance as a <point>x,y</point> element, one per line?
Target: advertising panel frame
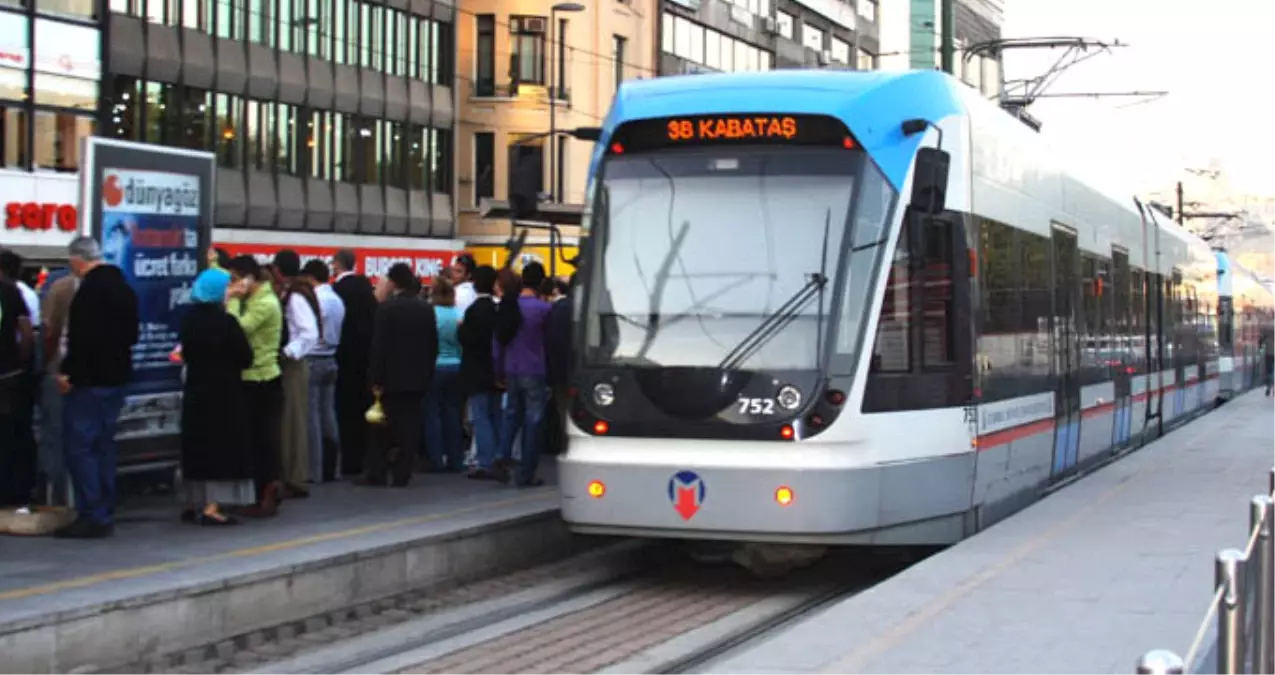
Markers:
<point>151,419</point>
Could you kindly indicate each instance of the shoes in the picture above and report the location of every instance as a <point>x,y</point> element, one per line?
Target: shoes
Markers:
<point>85,529</point>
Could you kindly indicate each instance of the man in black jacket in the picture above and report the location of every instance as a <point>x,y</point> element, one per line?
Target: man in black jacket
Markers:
<point>101,332</point>
<point>404,349</point>
<point>353,356</point>
<point>558,363</point>
<point>477,375</point>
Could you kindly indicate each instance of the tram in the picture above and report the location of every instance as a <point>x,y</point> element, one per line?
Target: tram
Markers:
<point>851,308</point>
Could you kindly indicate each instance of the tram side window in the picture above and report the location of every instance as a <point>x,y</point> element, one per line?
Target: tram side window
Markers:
<point>1000,275</point>
<point>938,333</point>
<point>891,352</point>
<point>1037,297</point>
<point>1120,324</point>
<point>1087,319</point>
<point>1151,289</point>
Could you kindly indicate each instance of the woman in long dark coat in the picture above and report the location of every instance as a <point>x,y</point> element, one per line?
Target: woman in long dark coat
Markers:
<point>216,465</point>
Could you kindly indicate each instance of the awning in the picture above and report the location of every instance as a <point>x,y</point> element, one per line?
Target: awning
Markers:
<point>553,214</point>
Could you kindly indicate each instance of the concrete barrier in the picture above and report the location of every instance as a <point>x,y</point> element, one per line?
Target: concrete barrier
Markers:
<point>205,611</point>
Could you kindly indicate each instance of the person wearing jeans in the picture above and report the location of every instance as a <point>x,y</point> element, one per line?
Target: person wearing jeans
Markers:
<point>477,375</point>
<point>324,436</point>
<point>444,436</point>
<point>98,364</point>
<point>519,355</point>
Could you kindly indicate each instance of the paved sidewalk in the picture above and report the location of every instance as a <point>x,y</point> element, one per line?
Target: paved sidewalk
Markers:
<point>1084,581</point>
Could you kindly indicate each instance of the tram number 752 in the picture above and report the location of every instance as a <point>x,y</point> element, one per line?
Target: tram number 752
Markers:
<point>756,406</point>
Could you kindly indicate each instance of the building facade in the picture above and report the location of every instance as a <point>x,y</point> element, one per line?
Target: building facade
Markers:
<point>327,116</point>
<point>911,38</point>
<point>518,58</point>
<point>742,35</point>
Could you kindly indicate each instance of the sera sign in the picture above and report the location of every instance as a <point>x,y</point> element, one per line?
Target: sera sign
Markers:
<point>39,217</point>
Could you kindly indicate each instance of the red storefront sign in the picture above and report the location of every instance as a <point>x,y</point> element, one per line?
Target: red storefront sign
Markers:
<point>372,262</point>
<point>35,216</point>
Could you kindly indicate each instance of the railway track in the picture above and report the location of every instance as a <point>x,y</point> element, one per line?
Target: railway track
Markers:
<point>632,607</point>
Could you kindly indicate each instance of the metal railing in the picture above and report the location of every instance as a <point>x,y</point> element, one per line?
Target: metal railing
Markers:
<point>1243,604</point>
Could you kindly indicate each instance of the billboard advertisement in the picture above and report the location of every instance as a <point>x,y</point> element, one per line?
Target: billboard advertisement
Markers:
<point>151,207</point>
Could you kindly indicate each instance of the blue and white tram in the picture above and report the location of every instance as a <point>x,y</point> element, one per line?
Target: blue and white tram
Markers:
<point>846,307</point>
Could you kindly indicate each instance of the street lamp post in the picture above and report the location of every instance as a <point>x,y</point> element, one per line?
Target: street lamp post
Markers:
<point>554,92</point>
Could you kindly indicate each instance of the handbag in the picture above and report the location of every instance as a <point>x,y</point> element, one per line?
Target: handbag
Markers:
<point>376,413</point>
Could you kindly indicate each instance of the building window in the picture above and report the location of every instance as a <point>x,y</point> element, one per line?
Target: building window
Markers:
<point>341,28</point>
<point>418,157</point>
<point>13,69</point>
<point>441,154</point>
<point>785,22</point>
<point>666,33</point>
<point>125,114</point>
<point>57,139</point>
<point>372,36</point>
<point>228,18</point>
<point>396,151</point>
<point>67,68</point>
<point>617,58</point>
<point>229,111</point>
<point>399,37</point>
<point>560,90</point>
<point>312,17</point>
<point>484,166</point>
<point>527,38</point>
<point>710,49</point>
<point>840,50</point>
<point>80,9</point>
<point>287,159</point>
<point>318,145</point>
<point>194,118</point>
<point>812,37</point>
<point>867,60</point>
<point>485,75</point>
<point>868,9</point>
<point>530,150</point>
<point>13,137</point>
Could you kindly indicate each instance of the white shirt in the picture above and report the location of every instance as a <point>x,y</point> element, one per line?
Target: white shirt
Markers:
<point>465,296</point>
<point>303,330</point>
<point>333,310</point>
<point>33,303</point>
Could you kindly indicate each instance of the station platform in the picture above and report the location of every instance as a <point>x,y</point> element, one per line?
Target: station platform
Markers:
<point>1084,581</point>
<point>161,586</point>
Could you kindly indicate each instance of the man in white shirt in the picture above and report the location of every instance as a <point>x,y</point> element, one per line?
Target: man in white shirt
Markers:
<point>301,333</point>
<point>325,435</point>
<point>462,271</point>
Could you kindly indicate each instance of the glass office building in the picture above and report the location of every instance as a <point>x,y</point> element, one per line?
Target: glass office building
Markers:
<point>325,115</point>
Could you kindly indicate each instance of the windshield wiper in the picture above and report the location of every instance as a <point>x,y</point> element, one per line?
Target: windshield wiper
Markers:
<point>781,318</point>
<point>657,293</point>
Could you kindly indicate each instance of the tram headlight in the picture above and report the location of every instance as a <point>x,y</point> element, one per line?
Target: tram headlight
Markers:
<point>789,398</point>
<point>603,394</point>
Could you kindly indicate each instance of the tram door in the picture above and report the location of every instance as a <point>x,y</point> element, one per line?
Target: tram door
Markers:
<point>1066,351</point>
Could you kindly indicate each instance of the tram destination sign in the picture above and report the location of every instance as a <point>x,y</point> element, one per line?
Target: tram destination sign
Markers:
<point>735,128</point>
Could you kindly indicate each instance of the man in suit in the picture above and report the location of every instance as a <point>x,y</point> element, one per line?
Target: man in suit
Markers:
<point>404,349</point>
<point>353,356</point>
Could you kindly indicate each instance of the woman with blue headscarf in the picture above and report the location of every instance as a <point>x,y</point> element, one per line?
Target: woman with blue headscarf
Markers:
<point>215,456</point>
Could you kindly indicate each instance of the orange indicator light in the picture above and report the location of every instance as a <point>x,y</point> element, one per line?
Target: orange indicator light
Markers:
<point>784,495</point>
<point>597,489</point>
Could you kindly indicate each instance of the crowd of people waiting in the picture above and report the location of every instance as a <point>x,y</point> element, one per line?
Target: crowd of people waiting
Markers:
<point>281,365</point>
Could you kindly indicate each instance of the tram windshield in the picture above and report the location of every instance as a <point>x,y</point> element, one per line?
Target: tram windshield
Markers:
<point>728,257</point>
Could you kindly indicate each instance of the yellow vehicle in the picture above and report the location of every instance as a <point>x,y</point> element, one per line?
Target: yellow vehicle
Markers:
<point>496,255</point>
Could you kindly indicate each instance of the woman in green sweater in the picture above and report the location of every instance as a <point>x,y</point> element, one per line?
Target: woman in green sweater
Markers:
<point>252,301</point>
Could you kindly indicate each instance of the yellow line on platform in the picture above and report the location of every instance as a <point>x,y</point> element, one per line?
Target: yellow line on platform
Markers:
<point>134,572</point>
